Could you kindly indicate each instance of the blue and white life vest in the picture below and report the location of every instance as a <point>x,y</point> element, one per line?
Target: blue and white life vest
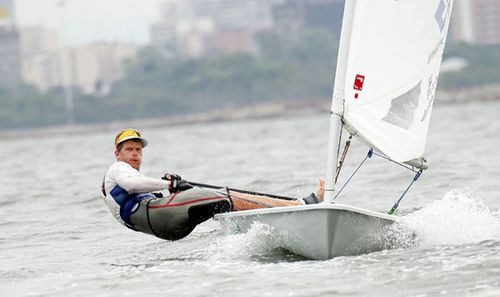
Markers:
<point>128,203</point>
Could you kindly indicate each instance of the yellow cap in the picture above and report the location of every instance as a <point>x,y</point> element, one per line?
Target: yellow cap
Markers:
<point>128,134</point>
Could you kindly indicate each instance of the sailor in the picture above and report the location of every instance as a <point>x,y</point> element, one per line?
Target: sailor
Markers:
<point>131,197</point>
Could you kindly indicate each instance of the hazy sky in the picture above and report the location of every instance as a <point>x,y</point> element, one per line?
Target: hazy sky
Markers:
<point>92,20</point>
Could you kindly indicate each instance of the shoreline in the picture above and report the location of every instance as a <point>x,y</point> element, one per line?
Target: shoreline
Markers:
<point>469,95</point>
<point>257,111</point>
<point>269,110</point>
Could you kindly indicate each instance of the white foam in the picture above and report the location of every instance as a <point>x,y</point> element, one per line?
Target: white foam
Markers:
<point>258,240</point>
<point>458,218</point>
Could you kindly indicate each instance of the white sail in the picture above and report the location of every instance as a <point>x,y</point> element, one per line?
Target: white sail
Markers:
<point>388,65</point>
<point>394,55</point>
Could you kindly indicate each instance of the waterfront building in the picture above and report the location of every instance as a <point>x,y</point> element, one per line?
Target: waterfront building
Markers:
<point>476,21</point>
<point>10,58</point>
<point>40,55</point>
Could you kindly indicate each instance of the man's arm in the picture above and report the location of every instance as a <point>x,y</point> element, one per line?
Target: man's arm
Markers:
<point>134,182</point>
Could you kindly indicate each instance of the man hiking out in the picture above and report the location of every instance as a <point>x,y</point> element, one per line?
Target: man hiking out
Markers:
<point>131,197</point>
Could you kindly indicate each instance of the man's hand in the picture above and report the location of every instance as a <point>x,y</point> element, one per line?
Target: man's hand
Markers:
<point>177,184</point>
<point>171,177</point>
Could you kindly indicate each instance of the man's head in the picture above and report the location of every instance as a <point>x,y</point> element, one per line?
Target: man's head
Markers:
<point>129,145</point>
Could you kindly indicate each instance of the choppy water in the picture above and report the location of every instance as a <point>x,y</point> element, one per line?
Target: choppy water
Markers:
<point>58,239</point>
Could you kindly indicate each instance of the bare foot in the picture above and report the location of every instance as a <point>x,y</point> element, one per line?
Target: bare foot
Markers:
<point>320,192</point>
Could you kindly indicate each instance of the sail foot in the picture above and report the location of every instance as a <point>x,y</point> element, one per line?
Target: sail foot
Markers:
<point>420,163</point>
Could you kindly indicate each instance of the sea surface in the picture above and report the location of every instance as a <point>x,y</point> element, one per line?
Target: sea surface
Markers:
<point>58,239</point>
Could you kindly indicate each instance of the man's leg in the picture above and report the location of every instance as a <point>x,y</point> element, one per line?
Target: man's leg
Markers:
<point>175,216</point>
<point>242,201</point>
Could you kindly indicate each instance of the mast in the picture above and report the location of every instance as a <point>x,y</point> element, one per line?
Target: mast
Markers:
<point>337,108</point>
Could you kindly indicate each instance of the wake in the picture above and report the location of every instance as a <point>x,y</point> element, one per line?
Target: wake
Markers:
<point>458,218</point>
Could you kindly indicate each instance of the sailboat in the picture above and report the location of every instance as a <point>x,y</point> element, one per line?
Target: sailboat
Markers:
<point>387,71</point>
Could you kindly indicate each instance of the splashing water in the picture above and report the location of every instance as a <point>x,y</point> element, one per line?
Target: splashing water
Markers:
<point>259,240</point>
<point>458,218</point>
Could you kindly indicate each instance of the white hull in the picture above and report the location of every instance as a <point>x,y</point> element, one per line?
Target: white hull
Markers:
<point>320,231</point>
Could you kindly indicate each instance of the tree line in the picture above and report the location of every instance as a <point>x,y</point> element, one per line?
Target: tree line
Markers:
<point>153,86</point>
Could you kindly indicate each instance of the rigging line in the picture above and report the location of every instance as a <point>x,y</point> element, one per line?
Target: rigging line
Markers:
<point>369,155</point>
<point>400,164</point>
<point>342,159</point>
<point>338,166</point>
<point>242,191</point>
<point>395,206</point>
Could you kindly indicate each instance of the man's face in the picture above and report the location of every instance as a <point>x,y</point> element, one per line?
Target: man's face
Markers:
<point>131,153</point>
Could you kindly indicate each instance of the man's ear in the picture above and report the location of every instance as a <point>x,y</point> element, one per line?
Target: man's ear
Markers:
<point>116,154</point>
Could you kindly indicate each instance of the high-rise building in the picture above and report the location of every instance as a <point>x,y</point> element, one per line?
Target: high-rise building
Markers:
<point>230,15</point>
<point>91,68</point>
<point>96,67</point>
<point>40,52</point>
<point>476,21</point>
<point>325,14</point>
<point>291,17</point>
<point>192,28</point>
<point>10,58</point>
<point>180,33</point>
<point>7,13</point>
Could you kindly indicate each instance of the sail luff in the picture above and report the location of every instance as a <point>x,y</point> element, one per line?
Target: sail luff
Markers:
<point>338,100</point>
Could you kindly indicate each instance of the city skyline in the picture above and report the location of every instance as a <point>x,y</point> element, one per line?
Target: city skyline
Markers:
<point>88,21</point>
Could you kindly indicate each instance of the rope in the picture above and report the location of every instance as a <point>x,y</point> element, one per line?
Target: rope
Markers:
<point>400,164</point>
<point>242,191</point>
<point>395,206</point>
<point>369,155</point>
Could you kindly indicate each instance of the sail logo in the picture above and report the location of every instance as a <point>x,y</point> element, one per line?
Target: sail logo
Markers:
<point>442,13</point>
<point>359,81</point>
